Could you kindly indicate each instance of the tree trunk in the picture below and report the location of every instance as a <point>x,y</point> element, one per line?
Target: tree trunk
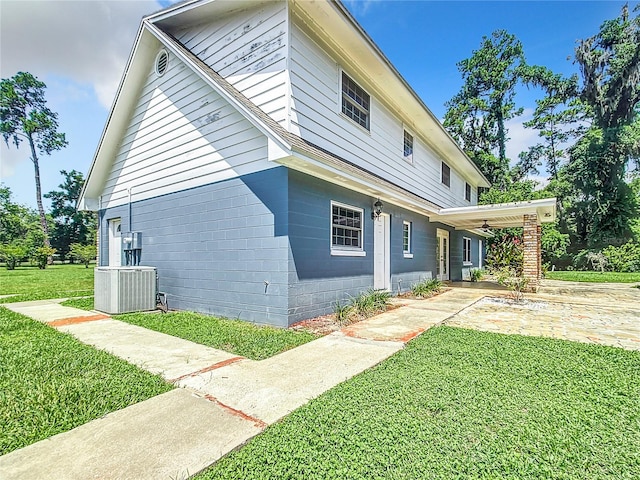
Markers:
<point>43,218</point>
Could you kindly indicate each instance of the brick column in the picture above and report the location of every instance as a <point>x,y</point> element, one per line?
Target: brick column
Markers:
<point>532,263</point>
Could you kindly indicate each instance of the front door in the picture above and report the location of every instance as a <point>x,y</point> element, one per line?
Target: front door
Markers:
<point>442,255</point>
<point>115,242</point>
<point>381,253</point>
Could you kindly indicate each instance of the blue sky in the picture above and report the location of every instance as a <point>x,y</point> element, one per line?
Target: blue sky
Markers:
<point>79,49</point>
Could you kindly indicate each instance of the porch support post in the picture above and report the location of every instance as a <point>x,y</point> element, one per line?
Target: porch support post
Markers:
<point>532,270</point>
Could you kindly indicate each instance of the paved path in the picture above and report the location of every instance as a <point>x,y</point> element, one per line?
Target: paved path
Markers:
<point>225,400</point>
<point>605,314</point>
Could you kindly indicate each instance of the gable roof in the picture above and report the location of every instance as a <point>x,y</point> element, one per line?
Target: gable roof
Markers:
<point>284,146</point>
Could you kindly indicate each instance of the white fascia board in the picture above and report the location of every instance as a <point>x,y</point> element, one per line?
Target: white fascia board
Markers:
<point>304,163</point>
<point>273,137</point>
<point>124,100</point>
<point>529,205</point>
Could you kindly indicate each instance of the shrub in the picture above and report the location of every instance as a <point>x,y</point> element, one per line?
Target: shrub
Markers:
<point>625,258</point>
<point>367,304</point>
<point>506,252</point>
<point>426,288</point>
<point>476,274</point>
<point>513,281</point>
<point>41,256</point>
<point>83,253</point>
<point>12,254</point>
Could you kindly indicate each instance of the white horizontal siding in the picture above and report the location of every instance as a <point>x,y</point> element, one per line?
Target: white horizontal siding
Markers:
<point>316,116</point>
<point>182,135</point>
<point>249,49</point>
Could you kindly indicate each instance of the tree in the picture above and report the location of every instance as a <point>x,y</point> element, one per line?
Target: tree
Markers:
<point>70,225</point>
<point>83,253</point>
<point>24,115</point>
<point>559,117</point>
<point>476,116</point>
<point>15,220</point>
<point>610,66</point>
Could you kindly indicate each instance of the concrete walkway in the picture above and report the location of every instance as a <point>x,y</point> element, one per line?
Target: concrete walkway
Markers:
<point>224,401</point>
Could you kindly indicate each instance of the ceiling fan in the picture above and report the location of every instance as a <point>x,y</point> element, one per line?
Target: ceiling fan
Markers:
<point>485,226</point>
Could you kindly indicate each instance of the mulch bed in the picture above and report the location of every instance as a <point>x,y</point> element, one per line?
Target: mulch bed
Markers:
<point>326,324</point>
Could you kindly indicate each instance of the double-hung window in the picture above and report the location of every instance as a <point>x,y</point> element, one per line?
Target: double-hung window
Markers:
<point>355,102</point>
<point>467,192</point>
<point>406,240</point>
<point>408,147</point>
<point>466,250</point>
<point>346,230</point>
<point>446,174</point>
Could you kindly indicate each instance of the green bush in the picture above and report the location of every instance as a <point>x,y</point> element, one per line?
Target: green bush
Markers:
<point>41,256</point>
<point>625,258</point>
<point>426,288</point>
<point>505,252</point>
<point>366,304</point>
<point>12,254</point>
<point>83,253</point>
<point>476,274</point>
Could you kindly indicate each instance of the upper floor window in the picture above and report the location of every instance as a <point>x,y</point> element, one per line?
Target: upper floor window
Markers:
<point>446,174</point>
<point>466,250</point>
<point>355,102</point>
<point>467,192</point>
<point>346,227</point>
<point>408,147</point>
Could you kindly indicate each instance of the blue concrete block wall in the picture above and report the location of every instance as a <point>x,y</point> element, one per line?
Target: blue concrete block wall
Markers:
<point>215,246</point>
<point>317,280</point>
<point>259,247</point>
<point>456,240</point>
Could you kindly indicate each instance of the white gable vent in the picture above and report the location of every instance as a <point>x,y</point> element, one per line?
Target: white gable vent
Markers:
<point>162,62</point>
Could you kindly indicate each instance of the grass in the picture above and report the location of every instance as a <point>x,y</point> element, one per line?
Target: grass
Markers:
<point>594,277</point>
<point>459,403</point>
<point>55,281</point>
<point>83,303</point>
<point>234,336</point>
<point>51,383</point>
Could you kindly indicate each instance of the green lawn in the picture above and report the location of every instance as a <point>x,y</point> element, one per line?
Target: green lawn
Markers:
<point>234,336</point>
<point>459,403</point>
<point>51,383</point>
<point>594,277</point>
<point>55,281</point>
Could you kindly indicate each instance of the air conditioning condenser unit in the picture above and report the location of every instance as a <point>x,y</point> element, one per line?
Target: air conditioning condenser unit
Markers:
<point>124,289</point>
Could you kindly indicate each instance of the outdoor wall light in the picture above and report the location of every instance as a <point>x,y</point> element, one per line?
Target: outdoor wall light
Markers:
<point>377,210</point>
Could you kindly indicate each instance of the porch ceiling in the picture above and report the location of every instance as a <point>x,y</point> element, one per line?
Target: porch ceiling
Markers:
<point>498,215</point>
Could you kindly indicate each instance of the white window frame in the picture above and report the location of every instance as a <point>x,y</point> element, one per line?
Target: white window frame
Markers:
<point>408,158</point>
<point>444,164</point>
<point>466,251</point>
<point>468,185</point>
<point>342,250</point>
<point>407,252</point>
<point>341,95</point>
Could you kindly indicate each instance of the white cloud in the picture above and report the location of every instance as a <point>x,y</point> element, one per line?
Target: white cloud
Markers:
<point>85,41</point>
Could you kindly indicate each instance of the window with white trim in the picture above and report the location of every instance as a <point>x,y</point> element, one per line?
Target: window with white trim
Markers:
<point>355,102</point>
<point>346,227</point>
<point>408,147</point>
<point>466,250</point>
<point>446,174</point>
<point>406,239</point>
<point>467,192</point>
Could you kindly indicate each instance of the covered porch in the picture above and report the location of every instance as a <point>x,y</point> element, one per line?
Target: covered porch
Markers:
<point>530,215</point>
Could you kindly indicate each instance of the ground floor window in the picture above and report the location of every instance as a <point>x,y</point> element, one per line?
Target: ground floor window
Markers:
<point>346,227</point>
<point>466,250</point>
<point>406,239</point>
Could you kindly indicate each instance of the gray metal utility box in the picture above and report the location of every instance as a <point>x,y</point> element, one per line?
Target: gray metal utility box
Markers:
<point>124,289</point>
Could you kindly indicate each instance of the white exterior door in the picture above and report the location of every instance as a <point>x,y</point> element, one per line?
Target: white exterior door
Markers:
<point>381,253</point>
<point>442,255</point>
<point>115,242</point>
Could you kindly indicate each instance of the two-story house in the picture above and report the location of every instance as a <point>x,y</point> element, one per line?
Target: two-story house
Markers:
<point>276,162</point>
